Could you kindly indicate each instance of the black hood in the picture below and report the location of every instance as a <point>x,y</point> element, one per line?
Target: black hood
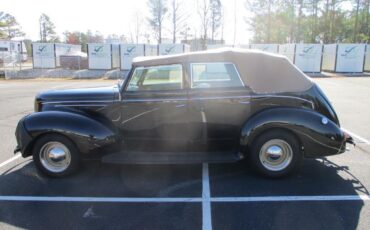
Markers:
<point>84,94</point>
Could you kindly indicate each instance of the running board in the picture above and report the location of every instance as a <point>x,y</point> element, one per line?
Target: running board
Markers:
<point>133,157</point>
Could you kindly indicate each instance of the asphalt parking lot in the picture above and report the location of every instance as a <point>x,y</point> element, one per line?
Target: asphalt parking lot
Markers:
<point>329,193</point>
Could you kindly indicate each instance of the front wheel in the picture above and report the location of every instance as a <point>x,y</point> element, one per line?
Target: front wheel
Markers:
<point>55,155</point>
<point>276,153</point>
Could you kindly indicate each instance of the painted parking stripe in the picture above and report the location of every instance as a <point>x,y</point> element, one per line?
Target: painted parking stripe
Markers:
<point>10,160</point>
<point>185,199</point>
<point>102,199</point>
<point>206,203</point>
<point>292,198</point>
<point>363,140</point>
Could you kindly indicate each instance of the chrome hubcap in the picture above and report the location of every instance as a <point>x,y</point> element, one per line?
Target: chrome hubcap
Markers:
<point>276,155</point>
<point>55,156</point>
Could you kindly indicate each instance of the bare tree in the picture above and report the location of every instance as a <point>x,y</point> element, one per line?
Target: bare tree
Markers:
<point>204,11</point>
<point>216,17</point>
<point>234,23</point>
<point>178,18</point>
<point>158,10</point>
<point>186,32</point>
<point>138,21</point>
<point>223,24</point>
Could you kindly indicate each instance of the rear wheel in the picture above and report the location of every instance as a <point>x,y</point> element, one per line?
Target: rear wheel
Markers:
<point>55,155</point>
<point>276,153</point>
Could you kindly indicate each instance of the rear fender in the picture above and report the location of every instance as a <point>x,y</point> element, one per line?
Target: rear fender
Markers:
<point>87,133</point>
<point>318,135</point>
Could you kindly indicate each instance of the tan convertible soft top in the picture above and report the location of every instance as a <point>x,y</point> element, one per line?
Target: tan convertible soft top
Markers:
<point>262,72</point>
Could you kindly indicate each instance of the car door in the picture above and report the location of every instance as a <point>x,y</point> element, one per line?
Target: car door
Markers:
<point>154,109</point>
<point>219,103</point>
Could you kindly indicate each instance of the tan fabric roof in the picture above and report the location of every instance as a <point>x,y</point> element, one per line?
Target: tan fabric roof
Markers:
<point>262,72</point>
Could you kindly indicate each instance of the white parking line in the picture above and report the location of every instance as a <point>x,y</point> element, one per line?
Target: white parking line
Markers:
<point>206,203</point>
<point>102,199</point>
<point>292,198</point>
<point>357,136</point>
<point>185,199</point>
<point>10,160</point>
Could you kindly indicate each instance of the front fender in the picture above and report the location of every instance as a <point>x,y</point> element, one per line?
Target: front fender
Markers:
<point>87,133</point>
<point>318,135</point>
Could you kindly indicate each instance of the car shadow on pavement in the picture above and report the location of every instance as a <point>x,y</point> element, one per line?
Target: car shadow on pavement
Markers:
<point>316,178</point>
<point>104,180</point>
<point>96,180</point>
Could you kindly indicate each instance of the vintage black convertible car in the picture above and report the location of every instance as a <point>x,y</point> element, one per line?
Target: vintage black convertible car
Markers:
<point>214,106</point>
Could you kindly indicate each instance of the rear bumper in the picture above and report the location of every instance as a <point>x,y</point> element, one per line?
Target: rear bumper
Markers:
<point>347,140</point>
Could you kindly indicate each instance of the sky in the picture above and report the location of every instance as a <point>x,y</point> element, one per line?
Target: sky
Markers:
<point>114,17</point>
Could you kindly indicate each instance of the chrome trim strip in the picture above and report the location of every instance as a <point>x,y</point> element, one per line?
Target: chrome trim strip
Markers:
<point>217,98</point>
<point>175,99</point>
<point>155,100</point>
<point>82,105</point>
<point>139,115</point>
<point>97,101</point>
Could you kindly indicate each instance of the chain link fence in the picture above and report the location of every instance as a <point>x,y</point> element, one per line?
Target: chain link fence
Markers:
<point>44,63</point>
<point>18,66</point>
<point>13,62</point>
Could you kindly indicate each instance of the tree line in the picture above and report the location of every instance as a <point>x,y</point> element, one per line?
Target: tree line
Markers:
<point>210,15</point>
<point>327,21</point>
<point>270,21</point>
<point>169,15</point>
<point>9,26</point>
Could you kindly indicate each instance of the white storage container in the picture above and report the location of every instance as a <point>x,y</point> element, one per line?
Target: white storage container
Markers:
<point>344,58</point>
<point>65,50</point>
<point>100,56</point>
<point>128,52</point>
<point>43,55</point>
<point>166,49</point>
<point>151,50</point>
<point>288,50</point>
<point>308,57</point>
<point>272,48</point>
<point>367,59</point>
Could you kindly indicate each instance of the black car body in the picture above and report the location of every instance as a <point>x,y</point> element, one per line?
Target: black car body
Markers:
<point>213,106</point>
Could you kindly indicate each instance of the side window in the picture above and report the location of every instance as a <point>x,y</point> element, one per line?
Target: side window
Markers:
<point>156,78</point>
<point>214,75</point>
